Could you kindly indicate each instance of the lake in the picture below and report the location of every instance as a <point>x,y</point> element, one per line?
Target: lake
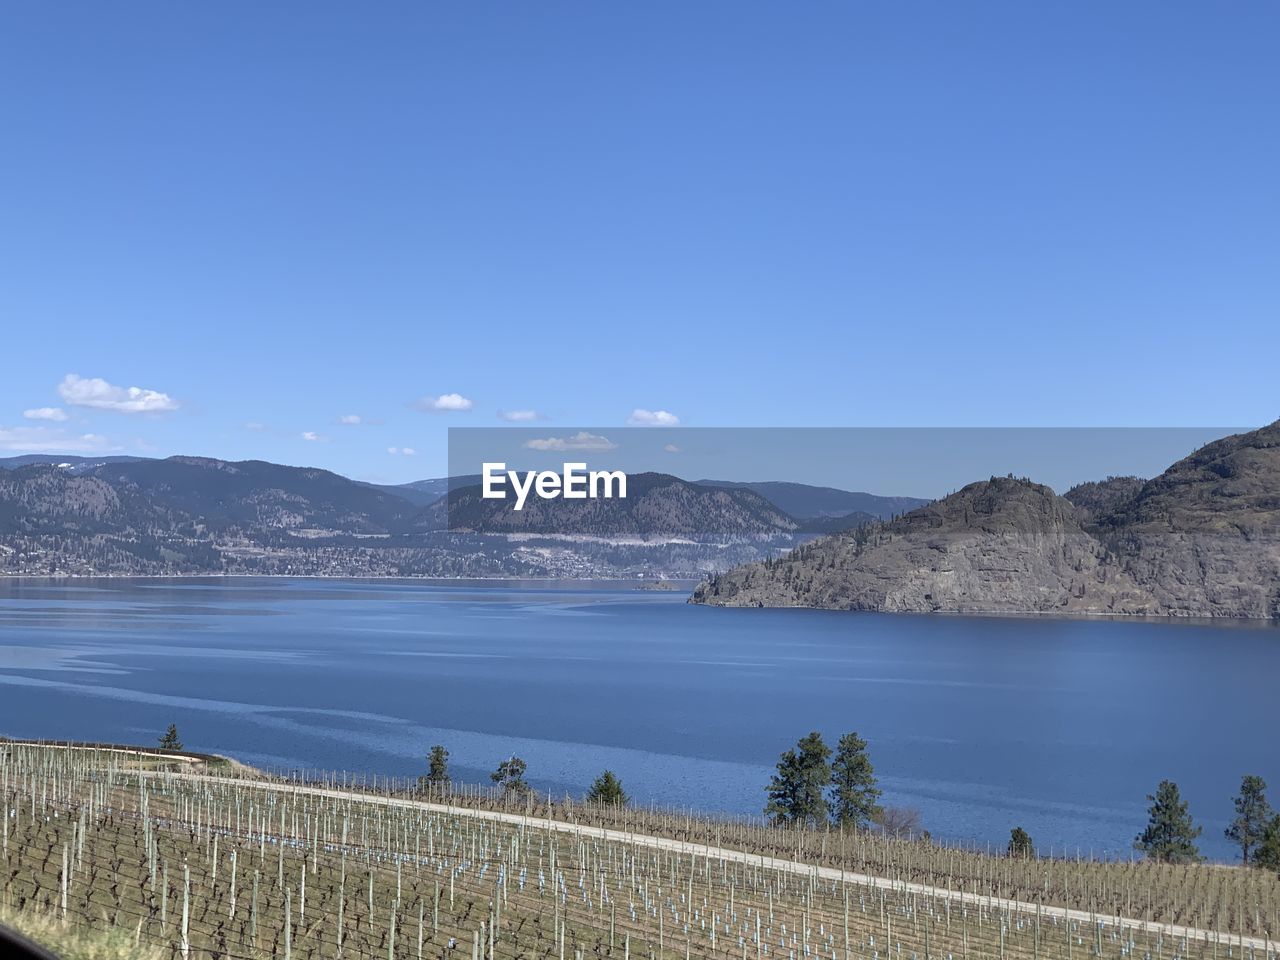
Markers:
<point>982,724</point>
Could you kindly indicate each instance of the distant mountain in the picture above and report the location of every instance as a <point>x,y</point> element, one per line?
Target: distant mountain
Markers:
<point>657,505</point>
<point>1200,540</point>
<point>182,514</point>
<point>414,497</point>
<point>802,501</point>
<point>199,515</point>
<point>257,495</point>
<point>73,464</point>
<point>437,487</point>
<point>418,492</point>
<point>848,521</point>
<point>424,492</point>
<point>818,509</point>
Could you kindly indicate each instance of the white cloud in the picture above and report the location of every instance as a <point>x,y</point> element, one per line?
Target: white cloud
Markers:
<point>579,441</point>
<point>52,440</point>
<point>445,403</point>
<point>401,451</point>
<point>520,416</point>
<point>100,395</point>
<point>56,414</point>
<point>350,420</point>
<point>671,448</point>
<point>312,437</point>
<point>255,426</point>
<point>652,418</point>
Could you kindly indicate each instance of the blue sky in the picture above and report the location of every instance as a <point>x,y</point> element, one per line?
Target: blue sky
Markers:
<point>268,217</point>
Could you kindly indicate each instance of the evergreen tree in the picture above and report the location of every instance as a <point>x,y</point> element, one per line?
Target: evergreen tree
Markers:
<point>1267,855</point>
<point>170,739</point>
<point>437,767</point>
<point>854,790</point>
<point>1020,844</point>
<point>1253,815</point>
<point>510,775</point>
<point>795,792</point>
<point>607,789</point>
<point>1170,835</point>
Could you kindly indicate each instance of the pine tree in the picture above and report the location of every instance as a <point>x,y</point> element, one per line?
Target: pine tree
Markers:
<point>437,767</point>
<point>1170,834</point>
<point>1020,844</point>
<point>607,789</point>
<point>1253,815</point>
<point>854,790</point>
<point>510,775</point>
<point>795,792</point>
<point>1268,853</point>
<point>170,739</point>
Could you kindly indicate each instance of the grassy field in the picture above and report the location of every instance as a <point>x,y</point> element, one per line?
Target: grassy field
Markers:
<point>77,942</point>
<point>212,860</point>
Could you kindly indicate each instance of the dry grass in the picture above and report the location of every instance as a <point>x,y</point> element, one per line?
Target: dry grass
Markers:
<point>76,942</point>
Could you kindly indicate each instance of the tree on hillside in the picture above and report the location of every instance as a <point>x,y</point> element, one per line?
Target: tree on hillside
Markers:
<point>1020,844</point>
<point>1253,815</point>
<point>1267,855</point>
<point>1170,834</point>
<point>170,739</point>
<point>901,823</point>
<point>510,775</point>
<point>795,792</point>
<point>437,767</point>
<point>854,790</point>
<point>607,789</point>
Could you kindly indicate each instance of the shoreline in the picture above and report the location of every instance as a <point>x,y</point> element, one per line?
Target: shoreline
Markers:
<point>4,577</point>
<point>645,584</point>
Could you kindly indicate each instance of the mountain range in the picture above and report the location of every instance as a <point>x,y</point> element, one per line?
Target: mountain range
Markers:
<point>1202,539</point>
<point>192,515</point>
<point>806,502</point>
<point>656,505</point>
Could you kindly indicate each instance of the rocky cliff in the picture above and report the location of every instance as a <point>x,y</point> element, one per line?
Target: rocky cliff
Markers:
<point>1200,540</point>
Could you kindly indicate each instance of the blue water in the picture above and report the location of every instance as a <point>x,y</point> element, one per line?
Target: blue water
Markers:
<point>1062,727</point>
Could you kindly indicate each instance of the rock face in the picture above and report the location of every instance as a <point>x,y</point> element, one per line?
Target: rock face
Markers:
<point>1204,536</point>
<point>1104,497</point>
<point>1200,540</point>
<point>1000,545</point>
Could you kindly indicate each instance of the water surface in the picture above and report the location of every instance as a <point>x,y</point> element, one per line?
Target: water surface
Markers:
<point>982,724</point>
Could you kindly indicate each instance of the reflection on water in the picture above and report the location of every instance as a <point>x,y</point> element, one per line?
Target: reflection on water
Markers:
<point>982,723</point>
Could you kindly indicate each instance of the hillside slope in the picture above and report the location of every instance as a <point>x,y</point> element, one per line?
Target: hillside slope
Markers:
<point>198,515</point>
<point>1204,536</point>
<point>186,515</point>
<point>1000,545</point>
<point>805,501</point>
<point>657,505</point>
<point>1200,540</point>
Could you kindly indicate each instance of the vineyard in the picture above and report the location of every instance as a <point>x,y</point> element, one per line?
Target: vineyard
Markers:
<point>196,860</point>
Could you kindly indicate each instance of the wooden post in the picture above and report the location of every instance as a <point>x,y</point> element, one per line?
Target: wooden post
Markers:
<point>186,910</point>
